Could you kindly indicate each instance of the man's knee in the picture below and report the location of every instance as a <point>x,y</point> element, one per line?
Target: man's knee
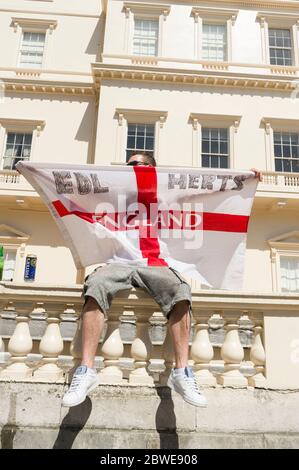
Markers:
<point>91,304</point>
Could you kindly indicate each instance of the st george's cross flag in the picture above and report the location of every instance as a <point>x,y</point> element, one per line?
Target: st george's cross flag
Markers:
<point>193,220</point>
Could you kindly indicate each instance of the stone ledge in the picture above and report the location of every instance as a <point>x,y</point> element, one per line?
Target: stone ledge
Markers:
<point>31,416</point>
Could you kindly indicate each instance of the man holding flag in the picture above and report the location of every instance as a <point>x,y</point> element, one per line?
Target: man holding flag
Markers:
<point>148,226</point>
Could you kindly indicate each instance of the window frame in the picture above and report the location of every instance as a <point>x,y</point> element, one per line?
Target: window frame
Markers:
<point>272,125</point>
<point>125,116</point>
<point>199,121</point>
<point>34,25</point>
<point>286,245</point>
<point>3,156</point>
<point>19,126</point>
<point>278,21</point>
<point>211,15</point>
<point>225,44</point>
<point>137,149</point>
<point>218,155</point>
<point>150,11</point>
<point>19,65</point>
<point>157,45</point>
<point>15,240</point>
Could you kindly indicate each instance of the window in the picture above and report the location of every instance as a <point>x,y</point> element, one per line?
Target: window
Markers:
<point>7,264</point>
<point>32,49</point>
<point>214,42</point>
<point>145,41</point>
<point>214,148</point>
<point>140,137</point>
<point>286,151</point>
<point>18,147</point>
<point>289,274</point>
<point>280,44</point>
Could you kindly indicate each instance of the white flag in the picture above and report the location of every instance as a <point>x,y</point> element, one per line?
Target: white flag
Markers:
<point>193,220</point>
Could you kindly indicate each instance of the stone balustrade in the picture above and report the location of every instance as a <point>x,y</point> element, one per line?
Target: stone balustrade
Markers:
<point>226,340</point>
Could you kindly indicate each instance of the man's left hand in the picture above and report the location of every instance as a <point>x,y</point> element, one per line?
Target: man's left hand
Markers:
<point>257,173</point>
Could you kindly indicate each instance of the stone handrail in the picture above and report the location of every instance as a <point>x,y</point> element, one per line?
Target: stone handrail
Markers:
<point>136,347</point>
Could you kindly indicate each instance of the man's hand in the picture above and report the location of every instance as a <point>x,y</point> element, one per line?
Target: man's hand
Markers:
<point>257,173</point>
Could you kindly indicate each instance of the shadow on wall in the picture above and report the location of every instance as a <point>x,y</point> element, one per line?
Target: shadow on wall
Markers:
<point>166,420</point>
<point>87,129</point>
<point>95,45</point>
<point>72,424</point>
<point>9,430</point>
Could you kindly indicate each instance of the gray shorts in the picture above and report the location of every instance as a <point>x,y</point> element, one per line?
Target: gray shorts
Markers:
<point>164,284</point>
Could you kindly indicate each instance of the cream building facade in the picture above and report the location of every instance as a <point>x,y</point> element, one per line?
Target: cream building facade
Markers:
<point>198,84</point>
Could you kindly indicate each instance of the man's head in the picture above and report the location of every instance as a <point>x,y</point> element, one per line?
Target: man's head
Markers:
<point>141,158</point>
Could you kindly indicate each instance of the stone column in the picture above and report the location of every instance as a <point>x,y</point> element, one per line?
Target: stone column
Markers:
<point>202,353</point>
<point>233,354</point>
<point>20,344</point>
<point>258,355</point>
<point>112,351</point>
<point>51,345</point>
<point>140,351</point>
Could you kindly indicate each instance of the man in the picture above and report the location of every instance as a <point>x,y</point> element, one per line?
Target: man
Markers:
<point>170,291</point>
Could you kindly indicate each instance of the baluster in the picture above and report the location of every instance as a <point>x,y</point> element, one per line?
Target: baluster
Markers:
<point>112,350</point>
<point>157,333</point>
<point>202,353</point>
<point>51,345</point>
<point>232,353</point>
<point>257,355</point>
<point>140,351</point>
<point>20,344</point>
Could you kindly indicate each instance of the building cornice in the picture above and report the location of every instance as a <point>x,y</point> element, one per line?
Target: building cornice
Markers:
<point>47,87</point>
<point>274,4</point>
<point>190,77</point>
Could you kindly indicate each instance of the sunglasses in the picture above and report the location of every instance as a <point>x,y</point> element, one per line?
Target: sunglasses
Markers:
<point>136,163</point>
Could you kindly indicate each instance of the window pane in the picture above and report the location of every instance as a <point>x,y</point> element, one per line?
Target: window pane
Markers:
<point>140,137</point>
<point>145,41</point>
<point>9,265</point>
<point>289,274</point>
<point>215,147</point>
<point>205,161</point>
<point>214,43</point>
<point>32,49</point>
<point>18,147</point>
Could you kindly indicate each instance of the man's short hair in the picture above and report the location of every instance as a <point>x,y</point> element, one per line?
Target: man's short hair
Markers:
<point>149,158</point>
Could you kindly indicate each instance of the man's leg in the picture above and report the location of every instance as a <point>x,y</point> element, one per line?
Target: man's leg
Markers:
<point>179,327</point>
<point>182,379</point>
<point>85,378</point>
<point>92,326</point>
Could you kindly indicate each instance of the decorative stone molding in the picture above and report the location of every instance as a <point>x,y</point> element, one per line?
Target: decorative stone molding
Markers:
<point>214,13</point>
<point>189,77</point>
<point>146,8</point>
<point>12,238</point>
<point>33,23</point>
<point>42,87</point>
<point>215,119</point>
<point>149,116</point>
<point>23,123</point>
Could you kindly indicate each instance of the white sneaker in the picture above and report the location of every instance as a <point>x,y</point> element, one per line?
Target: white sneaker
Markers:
<point>184,383</point>
<point>84,381</point>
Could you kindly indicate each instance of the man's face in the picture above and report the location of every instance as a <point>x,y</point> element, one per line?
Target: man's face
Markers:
<point>138,160</point>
